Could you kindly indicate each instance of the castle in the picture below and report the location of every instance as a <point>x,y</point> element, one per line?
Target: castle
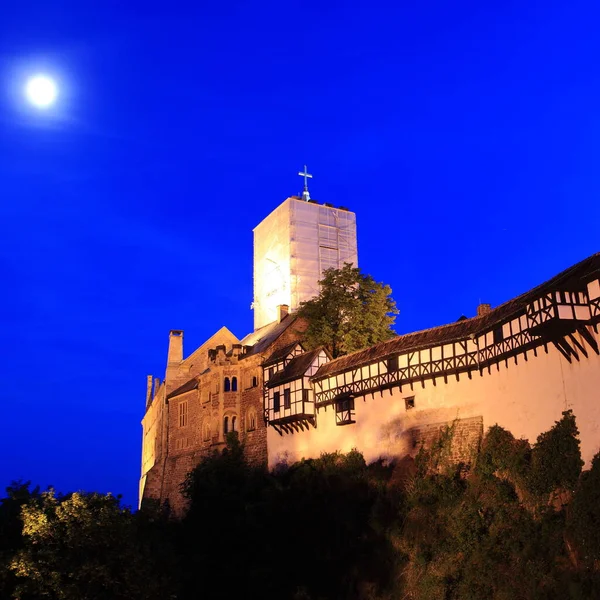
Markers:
<point>520,365</point>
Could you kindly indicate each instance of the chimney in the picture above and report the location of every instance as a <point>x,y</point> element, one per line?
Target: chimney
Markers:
<point>156,385</point>
<point>282,312</point>
<point>484,309</point>
<point>221,353</point>
<point>175,347</point>
<point>148,391</point>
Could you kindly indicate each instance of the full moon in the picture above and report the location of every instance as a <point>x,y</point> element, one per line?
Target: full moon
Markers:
<point>41,91</point>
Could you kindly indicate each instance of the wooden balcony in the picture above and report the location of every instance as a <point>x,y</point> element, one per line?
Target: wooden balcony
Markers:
<point>556,312</point>
<point>290,423</point>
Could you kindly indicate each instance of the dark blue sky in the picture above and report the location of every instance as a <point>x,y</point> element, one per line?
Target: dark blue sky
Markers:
<point>464,135</point>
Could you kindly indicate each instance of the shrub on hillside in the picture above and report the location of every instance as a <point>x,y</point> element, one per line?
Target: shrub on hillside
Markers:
<point>584,514</point>
<point>556,457</point>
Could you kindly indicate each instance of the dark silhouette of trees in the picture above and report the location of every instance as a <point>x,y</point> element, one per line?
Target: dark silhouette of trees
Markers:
<point>520,522</point>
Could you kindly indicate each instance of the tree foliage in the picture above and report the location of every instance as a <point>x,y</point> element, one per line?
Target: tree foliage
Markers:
<point>351,312</point>
<point>18,495</point>
<point>584,514</point>
<point>305,531</point>
<point>85,546</point>
<point>556,458</point>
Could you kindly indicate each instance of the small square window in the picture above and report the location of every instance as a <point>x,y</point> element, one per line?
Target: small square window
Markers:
<point>409,402</point>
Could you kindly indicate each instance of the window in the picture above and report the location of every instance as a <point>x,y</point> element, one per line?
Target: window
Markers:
<point>305,397</point>
<point>234,384</point>
<point>276,401</point>
<point>225,425</point>
<point>254,381</point>
<point>409,402</point>
<point>183,413</point>
<point>271,372</point>
<point>344,411</point>
<point>287,403</point>
<point>206,431</point>
<point>226,385</point>
<point>498,335</point>
<point>233,423</point>
<point>392,364</point>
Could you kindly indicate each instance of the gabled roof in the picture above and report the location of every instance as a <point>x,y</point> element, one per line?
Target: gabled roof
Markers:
<point>222,336</point>
<point>573,278</point>
<point>192,384</point>
<point>280,354</point>
<point>295,369</point>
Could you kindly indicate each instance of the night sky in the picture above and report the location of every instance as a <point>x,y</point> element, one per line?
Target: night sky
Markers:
<point>465,136</point>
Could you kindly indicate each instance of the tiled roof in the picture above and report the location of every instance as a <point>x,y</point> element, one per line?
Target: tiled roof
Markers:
<point>262,338</point>
<point>295,368</point>
<point>192,384</point>
<point>280,354</point>
<point>572,278</point>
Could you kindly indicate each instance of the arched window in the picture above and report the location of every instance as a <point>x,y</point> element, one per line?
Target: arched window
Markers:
<point>233,423</point>
<point>225,425</point>
<point>226,385</point>
<point>234,384</point>
<point>251,420</point>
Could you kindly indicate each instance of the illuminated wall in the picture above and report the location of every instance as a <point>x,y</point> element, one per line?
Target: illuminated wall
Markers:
<point>292,247</point>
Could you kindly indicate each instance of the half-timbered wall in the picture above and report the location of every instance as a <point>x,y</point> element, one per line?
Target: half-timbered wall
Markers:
<point>301,403</point>
<point>301,396</point>
<point>506,375</point>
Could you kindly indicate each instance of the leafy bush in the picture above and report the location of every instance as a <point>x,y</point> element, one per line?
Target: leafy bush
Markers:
<point>502,454</point>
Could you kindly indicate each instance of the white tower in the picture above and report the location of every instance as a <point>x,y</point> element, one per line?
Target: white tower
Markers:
<point>293,246</point>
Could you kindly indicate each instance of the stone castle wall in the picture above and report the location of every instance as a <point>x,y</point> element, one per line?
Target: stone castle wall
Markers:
<point>170,451</point>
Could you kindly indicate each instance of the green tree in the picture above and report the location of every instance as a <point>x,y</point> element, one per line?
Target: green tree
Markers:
<point>11,530</point>
<point>584,514</point>
<point>351,312</point>
<point>556,458</point>
<point>85,546</point>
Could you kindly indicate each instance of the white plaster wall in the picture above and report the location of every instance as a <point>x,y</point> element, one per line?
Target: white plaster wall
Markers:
<point>525,398</point>
<point>272,265</point>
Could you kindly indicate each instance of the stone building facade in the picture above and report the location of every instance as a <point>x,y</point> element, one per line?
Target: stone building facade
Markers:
<point>216,390</point>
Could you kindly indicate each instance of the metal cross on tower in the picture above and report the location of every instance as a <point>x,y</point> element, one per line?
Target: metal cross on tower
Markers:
<point>307,176</point>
